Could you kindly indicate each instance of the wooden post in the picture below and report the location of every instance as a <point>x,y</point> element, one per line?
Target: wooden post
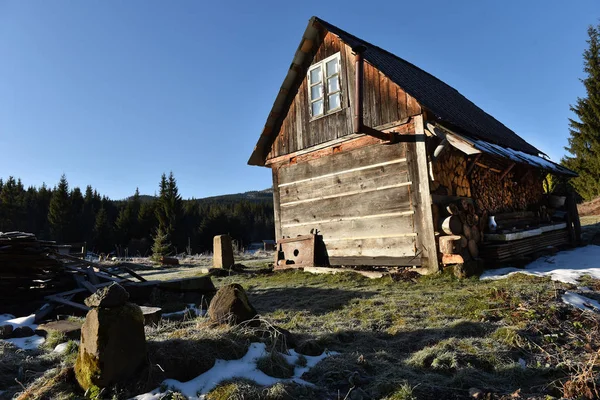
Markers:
<point>417,153</point>
<point>573,217</point>
<point>276,206</point>
<point>473,163</point>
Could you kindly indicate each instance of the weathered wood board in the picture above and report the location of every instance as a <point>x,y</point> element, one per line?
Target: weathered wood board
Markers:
<point>358,200</point>
<point>384,103</point>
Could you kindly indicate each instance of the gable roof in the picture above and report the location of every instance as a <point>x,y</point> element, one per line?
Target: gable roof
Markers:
<point>445,102</point>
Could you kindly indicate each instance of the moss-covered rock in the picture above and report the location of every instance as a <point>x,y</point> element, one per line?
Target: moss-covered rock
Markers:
<point>113,346</point>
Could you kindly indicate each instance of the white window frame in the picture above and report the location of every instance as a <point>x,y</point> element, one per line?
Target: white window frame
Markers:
<point>324,82</point>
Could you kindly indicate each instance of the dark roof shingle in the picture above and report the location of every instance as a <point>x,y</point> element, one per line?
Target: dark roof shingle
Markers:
<point>440,98</point>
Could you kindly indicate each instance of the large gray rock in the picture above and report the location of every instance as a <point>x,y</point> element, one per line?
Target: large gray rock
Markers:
<point>222,252</point>
<point>109,296</point>
<point>113,346</point>
<point>231,306</point>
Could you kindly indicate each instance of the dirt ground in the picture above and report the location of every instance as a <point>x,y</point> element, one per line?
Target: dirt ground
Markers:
<point>589,208</point>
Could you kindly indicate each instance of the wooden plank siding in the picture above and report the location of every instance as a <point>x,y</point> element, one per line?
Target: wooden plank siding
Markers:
<point>384,103</point>
<point>359,200</point>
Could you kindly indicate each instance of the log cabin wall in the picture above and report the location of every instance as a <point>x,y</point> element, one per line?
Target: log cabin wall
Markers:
<point>359,200</point>
<point>385,103</point>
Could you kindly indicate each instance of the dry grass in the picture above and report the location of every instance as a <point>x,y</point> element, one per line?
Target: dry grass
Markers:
<point>434,338</point>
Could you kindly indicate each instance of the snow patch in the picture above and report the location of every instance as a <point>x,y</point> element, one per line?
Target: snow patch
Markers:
<point>244,368</point>
<point>581,302</point>
<point>26,343</point>
<point>565,266</point>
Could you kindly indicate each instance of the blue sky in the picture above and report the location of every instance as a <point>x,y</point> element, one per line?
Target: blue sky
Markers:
<point>114,93</point>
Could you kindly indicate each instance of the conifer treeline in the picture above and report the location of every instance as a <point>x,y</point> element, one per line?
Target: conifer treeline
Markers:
<point>584,140</point>
<point>69,216</point>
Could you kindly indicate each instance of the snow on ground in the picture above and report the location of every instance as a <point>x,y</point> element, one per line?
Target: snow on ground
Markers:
<point>581,302</point>
<point>244,368</point>
<point>26,343</point>
<point>565,266</point>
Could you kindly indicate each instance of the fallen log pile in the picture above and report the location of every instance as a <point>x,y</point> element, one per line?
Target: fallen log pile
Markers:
<point>26,269</point>
<point>33,270</point>
<point>34,274</point>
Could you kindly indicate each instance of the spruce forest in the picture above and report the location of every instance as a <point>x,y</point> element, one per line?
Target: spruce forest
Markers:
<point>584,129</point>
<point>133,226</point>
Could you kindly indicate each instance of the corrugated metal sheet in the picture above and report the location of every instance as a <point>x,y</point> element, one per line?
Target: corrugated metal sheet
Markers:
<point>473,146</point>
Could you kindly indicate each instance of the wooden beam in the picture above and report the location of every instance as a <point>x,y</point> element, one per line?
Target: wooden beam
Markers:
<point>473,163</point>
<point>84,284</point>
<point>92,275</point>
<point>346,143</point>
<point>507,170</point>
<point>90,263</point>
<point>366,260</point>
<point>452,259</point>
<point>60,300</point>
<point>486,167</point>
<point>426,234</point>
<point>133,273</point>
<point>276,205</point>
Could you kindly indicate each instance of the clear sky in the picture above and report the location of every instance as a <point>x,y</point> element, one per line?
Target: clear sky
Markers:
<point>114,93</point>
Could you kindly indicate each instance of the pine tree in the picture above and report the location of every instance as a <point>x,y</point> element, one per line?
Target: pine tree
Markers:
<point>169,209</point>
<point>584,143</point>
<point>76,229</point>
<point>161,246</point>
<point>127,219</point>
<point>60,210</point>
<point>103,231</point>
<point>9,199</point>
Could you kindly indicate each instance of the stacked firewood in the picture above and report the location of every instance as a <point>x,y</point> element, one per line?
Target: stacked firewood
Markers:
<point>461,232</point>
<point>450,174</point>
<point>26,269</point>
<point>496,193</point>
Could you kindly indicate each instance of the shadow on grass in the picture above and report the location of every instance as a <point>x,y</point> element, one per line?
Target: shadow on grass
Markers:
<point>430,363</point>
<point>315,300</point>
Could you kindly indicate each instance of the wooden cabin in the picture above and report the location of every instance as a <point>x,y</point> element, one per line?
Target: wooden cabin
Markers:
<point>374,161</point>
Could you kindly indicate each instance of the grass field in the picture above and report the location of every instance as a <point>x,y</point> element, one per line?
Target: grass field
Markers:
<point>433,337</point>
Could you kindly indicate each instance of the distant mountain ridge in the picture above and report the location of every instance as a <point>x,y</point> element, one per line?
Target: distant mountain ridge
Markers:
<point>253,196</point>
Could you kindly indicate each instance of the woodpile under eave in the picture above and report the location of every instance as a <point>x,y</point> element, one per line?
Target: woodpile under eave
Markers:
<point>461,233</point>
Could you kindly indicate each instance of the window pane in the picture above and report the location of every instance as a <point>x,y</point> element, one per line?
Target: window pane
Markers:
<point>333,84</point>
<point>334,101</point>
<point>317,108</point>
<point>315,75</point>
<point>332,67</point>
<point>316,92</point>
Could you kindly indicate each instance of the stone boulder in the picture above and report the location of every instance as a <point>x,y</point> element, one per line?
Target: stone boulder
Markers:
<point>113,343</point>
<point>231,306</point>
<point>22,331</point>
<point>6,331</point>
<point>113,295</point>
